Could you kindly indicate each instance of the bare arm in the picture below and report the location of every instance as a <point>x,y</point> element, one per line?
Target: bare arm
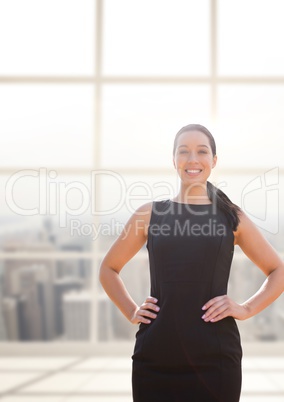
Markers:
<point>123,249</point>
<point>261,253</point>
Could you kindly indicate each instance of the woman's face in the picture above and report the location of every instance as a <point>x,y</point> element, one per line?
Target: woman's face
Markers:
<point>193,157</point>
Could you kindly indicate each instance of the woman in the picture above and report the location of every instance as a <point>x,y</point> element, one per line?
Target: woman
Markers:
<point>188,346</point>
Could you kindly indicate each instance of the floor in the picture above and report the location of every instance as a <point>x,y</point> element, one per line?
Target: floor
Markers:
<point>108,379</point>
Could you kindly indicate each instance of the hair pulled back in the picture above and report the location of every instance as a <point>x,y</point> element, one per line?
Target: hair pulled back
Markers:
<point>215,194</point>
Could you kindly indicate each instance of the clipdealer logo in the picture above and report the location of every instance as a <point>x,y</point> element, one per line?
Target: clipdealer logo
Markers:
<point>52,196</point>
<point>264,188</point>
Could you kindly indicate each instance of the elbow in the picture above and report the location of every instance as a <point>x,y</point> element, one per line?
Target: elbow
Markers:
<point>282,276</point>
<point>102,273</point>
<point>105,272</point>
<point>279,272</point>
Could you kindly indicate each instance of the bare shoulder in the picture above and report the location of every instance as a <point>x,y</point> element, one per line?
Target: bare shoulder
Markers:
<point>245,225</point>
<point>143,214</point>
<point>242,216</point>
<point>145,208</point>
<point>131,239</point>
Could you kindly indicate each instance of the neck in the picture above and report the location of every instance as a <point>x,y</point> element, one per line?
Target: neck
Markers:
<point>196,193</point>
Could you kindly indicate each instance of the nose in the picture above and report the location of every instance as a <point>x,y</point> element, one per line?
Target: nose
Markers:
<point>192,157</point>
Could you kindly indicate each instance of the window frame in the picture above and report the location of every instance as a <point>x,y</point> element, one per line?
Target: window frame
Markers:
<point>98,80</point>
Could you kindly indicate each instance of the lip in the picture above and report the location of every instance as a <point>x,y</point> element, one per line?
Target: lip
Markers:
<point>195,172</point>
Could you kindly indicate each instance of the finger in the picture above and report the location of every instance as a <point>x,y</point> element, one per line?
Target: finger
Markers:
<point>215,307</point>
<point>212,301</point>
<point>151,299</point>
<point>150,306</point>
<point>221,316</point>
<point>147,313</point>
<point>143,319</point>
<point>216,313</point>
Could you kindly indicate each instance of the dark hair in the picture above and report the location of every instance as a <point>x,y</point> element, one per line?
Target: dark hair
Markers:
<point>230,209</point>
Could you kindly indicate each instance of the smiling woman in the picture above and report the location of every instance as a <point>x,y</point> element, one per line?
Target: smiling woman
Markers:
<point>83,88</point>
<point>188,345</point>
<point>192,157</point>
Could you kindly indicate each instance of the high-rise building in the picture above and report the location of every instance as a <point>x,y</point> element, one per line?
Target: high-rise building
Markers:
<point>61,287</point>
<point>12,267</point>
<point>45,290</point>
<point>78,268</point>
<point>77,315</point>
<point>3,330</point>
<point>30,282</point>
<point>31,307</point>
<point>10,313</point>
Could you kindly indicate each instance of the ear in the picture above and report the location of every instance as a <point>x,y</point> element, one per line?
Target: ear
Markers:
<point>214,161</point>
<point>174,163</point>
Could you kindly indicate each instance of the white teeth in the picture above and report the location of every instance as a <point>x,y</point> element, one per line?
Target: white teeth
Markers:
<point>193,171</point>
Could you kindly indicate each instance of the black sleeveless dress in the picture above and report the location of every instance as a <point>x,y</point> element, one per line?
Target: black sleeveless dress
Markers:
<point>179,357</point>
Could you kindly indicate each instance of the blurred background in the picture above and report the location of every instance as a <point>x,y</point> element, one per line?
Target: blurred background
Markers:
<point>92,93</point>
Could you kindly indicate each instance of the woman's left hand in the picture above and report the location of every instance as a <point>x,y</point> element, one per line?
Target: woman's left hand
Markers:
<point>222,306</point>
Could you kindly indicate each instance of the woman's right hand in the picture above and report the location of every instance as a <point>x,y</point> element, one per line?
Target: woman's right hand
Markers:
<point>142,312</point>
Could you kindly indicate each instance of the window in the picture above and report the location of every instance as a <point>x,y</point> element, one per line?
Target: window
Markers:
<point>91,96</point>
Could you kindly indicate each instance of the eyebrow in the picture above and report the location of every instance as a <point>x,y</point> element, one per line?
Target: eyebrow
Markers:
<point>201,145</point>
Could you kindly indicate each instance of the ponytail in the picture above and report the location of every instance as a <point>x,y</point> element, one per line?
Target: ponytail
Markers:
<point>223,202</point>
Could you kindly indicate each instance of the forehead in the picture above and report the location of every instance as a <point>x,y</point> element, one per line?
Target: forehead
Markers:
<point>195,137</point>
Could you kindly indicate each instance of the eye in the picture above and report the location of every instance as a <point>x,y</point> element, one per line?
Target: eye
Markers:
<point>203,152</point>
<point>183,152</point>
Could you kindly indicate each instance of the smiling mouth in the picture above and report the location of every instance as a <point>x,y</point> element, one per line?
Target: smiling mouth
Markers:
<point>193,172</point>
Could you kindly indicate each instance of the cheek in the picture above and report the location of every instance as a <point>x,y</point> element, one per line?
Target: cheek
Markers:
<point>180,159</point>
<point>208,160</point>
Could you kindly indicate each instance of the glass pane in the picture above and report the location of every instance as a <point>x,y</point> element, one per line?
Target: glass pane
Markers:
<point>249,133</point>
<point>261,195</point>
<point>246,278</point>
<point>139,122</point>
<point>263,205</point>
<point>265,210</point>
<point>45,300</point>
<point>43,213</point>
<point>121,194</point>
<point>46,125</point>
<point>250,37</point>
<point>156,37</point>
<point>113,325</point>
<point>47,37</point>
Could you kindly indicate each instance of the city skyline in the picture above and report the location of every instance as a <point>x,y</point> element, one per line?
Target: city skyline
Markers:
<point>39,297</point>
